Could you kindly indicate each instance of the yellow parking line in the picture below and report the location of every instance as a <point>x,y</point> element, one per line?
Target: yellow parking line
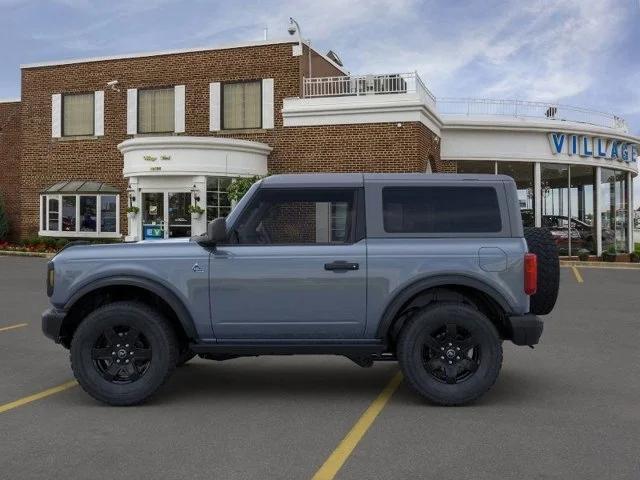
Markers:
<point>335,461</point>
<point>11,327</point>
<point>37,396</point>
<point>576,273</point>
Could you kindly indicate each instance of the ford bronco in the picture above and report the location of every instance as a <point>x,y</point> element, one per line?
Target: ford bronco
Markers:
<point>432,271</point>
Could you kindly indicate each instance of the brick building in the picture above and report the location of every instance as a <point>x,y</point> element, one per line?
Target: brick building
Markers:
<point>186,122</point>
<point>166,130</point>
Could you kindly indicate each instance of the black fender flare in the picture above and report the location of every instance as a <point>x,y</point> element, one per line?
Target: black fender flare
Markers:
<point>183,315</point>
<point>413,289</point>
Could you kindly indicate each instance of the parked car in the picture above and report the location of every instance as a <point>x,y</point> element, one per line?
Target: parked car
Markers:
<point>432,271</point>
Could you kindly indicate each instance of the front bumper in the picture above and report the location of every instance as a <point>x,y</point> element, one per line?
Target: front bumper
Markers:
<point>525,329</point>
<point>52,319</point>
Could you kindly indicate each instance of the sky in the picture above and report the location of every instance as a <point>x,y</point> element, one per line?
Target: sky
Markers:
<point>576,52</point>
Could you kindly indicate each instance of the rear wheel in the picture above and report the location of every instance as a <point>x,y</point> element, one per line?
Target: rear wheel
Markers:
<point>123,352</point>
<point>450,353</point>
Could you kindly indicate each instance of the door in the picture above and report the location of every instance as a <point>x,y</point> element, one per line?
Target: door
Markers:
<point>178,216</point>
<point>165,215</point>
<point>294,268</point>
<point>153,221</point>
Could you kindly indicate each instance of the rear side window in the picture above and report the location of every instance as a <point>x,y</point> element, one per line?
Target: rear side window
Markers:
<point>441,210</point>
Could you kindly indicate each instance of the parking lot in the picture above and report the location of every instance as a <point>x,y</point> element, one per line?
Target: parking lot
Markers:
<point>568,409</point>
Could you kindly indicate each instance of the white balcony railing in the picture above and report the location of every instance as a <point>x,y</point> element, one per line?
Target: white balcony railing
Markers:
<point>411,83</point>
<point>525,109</point>
<point>357,85</point>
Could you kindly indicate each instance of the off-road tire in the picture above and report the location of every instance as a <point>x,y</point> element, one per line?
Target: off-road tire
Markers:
<point>126,314</point>
<point>410,353</point>
<point>540,242</point>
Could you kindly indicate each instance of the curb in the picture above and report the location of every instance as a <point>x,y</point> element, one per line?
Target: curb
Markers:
<point>604,265</point>
<point>12,253</point>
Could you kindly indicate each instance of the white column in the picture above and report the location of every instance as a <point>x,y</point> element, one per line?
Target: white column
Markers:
<point>199,225</point>
<point>598,215</point>
<point>630,212</point>
<point>134,223</point>
<point>537,194</point>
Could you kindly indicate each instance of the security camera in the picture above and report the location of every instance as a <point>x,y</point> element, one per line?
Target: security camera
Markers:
<point>291,29</point>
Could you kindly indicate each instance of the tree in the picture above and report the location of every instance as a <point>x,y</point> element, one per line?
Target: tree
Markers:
<point>239,186</point>
<point>4,221</point>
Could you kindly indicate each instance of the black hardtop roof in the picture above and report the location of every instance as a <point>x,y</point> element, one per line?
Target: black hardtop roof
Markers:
<point>358,179</point>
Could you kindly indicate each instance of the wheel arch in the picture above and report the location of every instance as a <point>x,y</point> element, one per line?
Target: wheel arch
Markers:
<point>117,288</point>
<point>443,288</point>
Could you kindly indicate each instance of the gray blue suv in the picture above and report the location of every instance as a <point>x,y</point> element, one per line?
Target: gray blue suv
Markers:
<point>431,271</point>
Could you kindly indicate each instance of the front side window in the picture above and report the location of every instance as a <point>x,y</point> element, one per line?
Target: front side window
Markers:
<point>242,105</point>
<point>441,210</point>
<point>295,217</point>
<point>156,110</point>
<point>78,114</point>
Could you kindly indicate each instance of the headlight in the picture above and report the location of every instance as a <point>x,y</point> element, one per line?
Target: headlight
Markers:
<point>51,278</point>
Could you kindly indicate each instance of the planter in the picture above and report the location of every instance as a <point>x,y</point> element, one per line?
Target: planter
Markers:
<point>616,257</point>
<point>196,216</point>
<point>131,215</point>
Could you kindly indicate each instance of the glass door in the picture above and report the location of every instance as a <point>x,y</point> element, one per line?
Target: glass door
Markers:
<point>179,220</point>
<point>153,220</point>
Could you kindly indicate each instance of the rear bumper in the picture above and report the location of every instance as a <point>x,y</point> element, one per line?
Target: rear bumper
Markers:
<point>526,329</point>
<point>52,319</point>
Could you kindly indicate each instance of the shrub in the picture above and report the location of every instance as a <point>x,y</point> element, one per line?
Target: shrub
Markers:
<point>4,221</point>
<point>583,254</point>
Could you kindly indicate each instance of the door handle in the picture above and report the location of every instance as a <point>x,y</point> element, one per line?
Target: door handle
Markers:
<point>341,265</point>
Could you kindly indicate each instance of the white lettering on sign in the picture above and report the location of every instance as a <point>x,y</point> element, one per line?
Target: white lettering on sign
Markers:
<point>591,146</point>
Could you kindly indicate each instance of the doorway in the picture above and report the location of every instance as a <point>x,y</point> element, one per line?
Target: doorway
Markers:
<point>165,215</point>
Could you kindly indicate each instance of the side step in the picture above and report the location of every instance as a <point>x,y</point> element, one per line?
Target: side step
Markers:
<point>293,347</point>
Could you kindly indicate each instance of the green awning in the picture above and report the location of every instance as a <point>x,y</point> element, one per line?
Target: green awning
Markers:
<point>81,186</point>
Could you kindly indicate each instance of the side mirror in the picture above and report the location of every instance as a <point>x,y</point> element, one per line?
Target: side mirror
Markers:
<point>217,230</point>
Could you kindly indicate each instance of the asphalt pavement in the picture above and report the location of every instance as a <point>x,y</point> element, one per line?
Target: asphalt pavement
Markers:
<point>568,409</point>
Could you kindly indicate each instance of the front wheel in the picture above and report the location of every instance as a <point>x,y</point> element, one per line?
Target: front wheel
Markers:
<point>123,352</point>
<point>450,353</point>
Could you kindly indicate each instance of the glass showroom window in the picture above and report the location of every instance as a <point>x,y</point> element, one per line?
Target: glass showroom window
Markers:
<point>522,173</point>
<point>242,105</point>
<point>218,203</point>
<point>555,203</point>
<point>614,210</point>
<point>78,215</point>
<point>156,110</point>
<point>78,114</point>
<point>475,166</point>
<point>581,205</point>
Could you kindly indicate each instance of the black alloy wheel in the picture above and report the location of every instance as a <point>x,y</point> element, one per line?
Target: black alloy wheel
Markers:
<point>122,354</point>
<point>451,354</point>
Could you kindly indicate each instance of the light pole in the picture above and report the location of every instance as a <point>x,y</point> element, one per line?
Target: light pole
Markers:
<point>294,27</point>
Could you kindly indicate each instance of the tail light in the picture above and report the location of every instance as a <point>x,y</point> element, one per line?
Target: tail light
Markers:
<point>530,273</point>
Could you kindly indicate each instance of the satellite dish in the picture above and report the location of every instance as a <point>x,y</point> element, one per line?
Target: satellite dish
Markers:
<point>334,56</point>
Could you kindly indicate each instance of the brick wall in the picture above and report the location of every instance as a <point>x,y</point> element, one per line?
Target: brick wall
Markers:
<point>10,162</point>
<point>340,148</point>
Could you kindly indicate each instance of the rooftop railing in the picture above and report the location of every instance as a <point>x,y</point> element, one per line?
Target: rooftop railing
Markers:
<point>524,109</point>
<point>411,83</point>
<point>357,85</point>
